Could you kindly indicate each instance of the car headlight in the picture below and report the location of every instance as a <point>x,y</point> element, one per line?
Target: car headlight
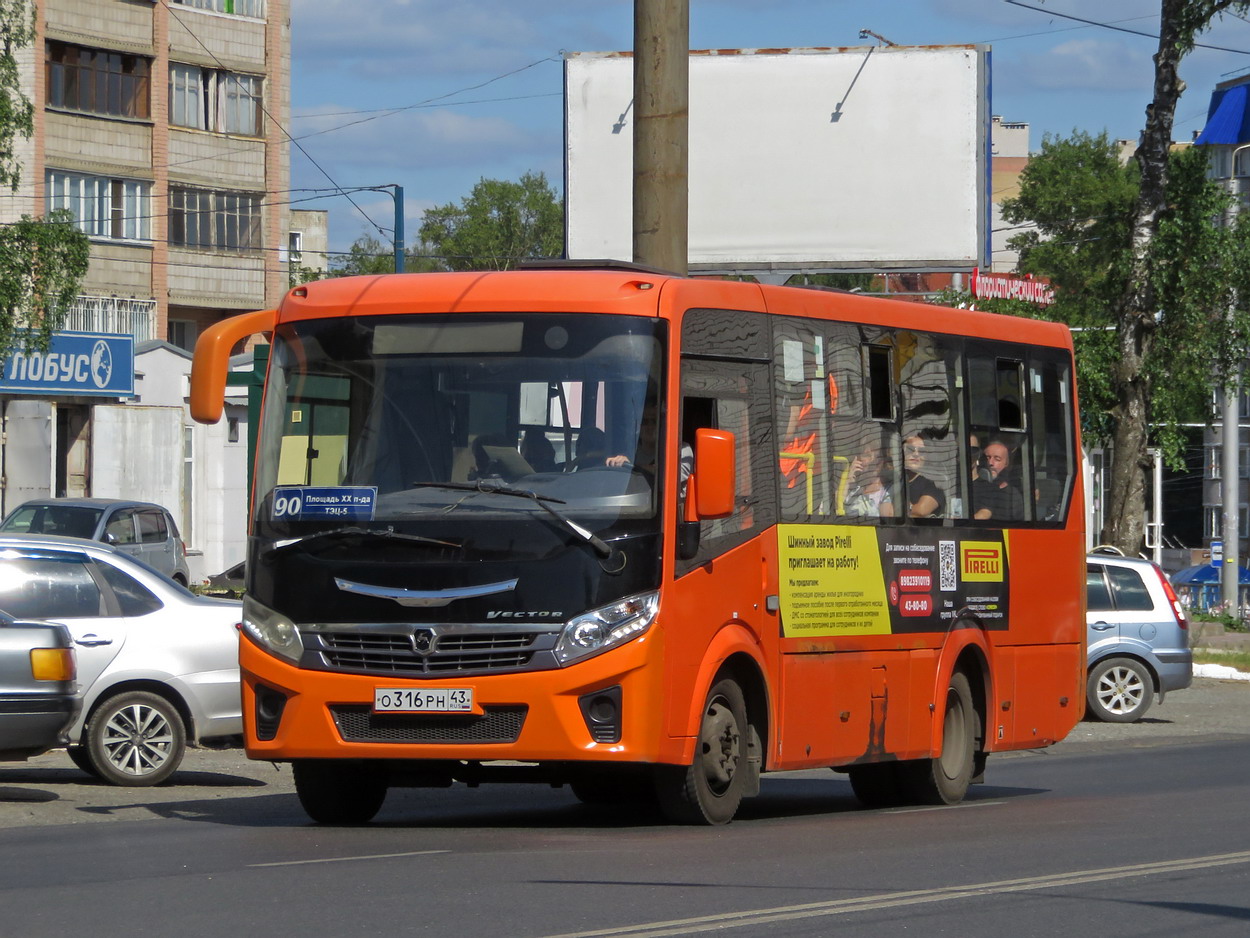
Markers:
<point>611,625</point>
<point>271,630</point>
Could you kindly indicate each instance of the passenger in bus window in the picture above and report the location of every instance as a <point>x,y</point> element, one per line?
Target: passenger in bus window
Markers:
<point>869,493</point>
<point>924,498</point>
<point>592,449</point>
<point>537,450</point>
<point>996,497</point>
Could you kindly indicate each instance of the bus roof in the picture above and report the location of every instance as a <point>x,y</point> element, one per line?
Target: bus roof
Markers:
<point>637,291</point>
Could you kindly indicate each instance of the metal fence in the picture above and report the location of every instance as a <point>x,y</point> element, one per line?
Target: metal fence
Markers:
<point>113,314</point>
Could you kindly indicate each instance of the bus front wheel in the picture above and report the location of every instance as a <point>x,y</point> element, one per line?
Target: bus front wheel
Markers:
<point>334,791</point>
<point>709,790</point>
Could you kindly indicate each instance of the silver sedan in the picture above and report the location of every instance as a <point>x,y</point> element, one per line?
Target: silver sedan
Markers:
<point>158,666</point>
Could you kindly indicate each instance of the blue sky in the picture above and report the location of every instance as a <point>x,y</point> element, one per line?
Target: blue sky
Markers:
<point>434,95</point>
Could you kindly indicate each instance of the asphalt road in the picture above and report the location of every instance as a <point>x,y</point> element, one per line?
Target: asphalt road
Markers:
<point>225,784</point>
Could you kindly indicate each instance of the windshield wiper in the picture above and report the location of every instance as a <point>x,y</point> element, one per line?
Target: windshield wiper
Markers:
<point>601,547</point>
<point>356,531</point>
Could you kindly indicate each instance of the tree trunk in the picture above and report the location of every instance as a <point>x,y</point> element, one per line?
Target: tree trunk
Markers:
<point>1125,516</point>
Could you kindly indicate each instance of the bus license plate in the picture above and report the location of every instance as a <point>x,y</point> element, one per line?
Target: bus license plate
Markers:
<point>423,700</point>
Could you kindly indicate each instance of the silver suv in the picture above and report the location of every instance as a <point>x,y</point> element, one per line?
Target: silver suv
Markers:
<point>1138,638</point>
<point>141,529</point>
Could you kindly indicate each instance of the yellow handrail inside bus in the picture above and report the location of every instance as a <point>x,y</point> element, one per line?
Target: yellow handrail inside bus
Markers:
<point>843,484</point>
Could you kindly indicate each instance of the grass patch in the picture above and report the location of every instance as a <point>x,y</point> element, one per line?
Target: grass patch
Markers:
<point>1234,659</point>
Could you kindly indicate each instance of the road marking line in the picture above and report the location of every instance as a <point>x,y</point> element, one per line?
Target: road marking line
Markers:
<point>912,897</point>
<point>371,856</point>
<point>962,806</point>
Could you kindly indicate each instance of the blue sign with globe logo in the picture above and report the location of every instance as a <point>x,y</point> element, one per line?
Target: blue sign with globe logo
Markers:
<point>76,363</point>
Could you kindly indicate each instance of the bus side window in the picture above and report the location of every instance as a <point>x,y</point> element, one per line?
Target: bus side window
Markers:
<point>929,381</point>
<point>731,396</point>
<point>1050,402</point>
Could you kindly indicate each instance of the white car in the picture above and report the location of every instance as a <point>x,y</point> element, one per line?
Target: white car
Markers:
<point>158,666</point>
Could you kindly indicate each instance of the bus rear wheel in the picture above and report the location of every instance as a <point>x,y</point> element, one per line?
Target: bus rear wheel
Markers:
<point>945,779</point>
<point>342,792</point>
<point>709,790</point>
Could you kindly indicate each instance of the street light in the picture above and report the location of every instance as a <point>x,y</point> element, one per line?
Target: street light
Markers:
<point>396,192</point>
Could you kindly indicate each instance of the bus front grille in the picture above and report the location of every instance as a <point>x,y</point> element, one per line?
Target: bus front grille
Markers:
<point>360,724</point>
<point>428,654</point>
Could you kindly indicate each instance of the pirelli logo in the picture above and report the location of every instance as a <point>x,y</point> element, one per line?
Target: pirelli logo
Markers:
<point>981,561</point>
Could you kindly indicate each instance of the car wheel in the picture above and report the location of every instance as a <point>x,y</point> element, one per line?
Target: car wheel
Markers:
<point>179,579</point>
<point>339,791</point>
<point>1119,690</point>
<point>709,790</point>
<point>135,739</point>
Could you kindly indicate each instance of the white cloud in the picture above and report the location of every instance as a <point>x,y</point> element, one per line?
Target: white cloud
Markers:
<point>426,139</point>
<point>1079,64</point>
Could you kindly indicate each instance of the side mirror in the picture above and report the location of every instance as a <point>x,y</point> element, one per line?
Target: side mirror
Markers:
<point>712,494</point>
<point>212,360</point>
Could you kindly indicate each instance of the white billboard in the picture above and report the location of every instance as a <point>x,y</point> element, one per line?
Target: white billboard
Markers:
<point>873,158</point>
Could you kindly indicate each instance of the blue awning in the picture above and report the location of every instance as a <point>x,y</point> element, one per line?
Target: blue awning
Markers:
<point>1205,573</point>
<point>1228,117</point>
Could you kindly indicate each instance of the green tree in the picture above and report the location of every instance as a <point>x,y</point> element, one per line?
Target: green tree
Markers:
<point>1081,198</point>
<point>1144,290</point>
<point>42,260</point>
<point>1138,262</point>
<point>370,255</point>
<point>499,224</point>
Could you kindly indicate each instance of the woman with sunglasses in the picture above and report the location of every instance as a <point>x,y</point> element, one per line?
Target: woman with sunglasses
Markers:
<point>924,498</point>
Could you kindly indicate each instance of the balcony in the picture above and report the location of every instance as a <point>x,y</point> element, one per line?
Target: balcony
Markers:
<point>113,314</point>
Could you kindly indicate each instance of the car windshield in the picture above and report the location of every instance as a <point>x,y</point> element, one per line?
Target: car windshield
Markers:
<point>66,520</point>
<point>423,418</point>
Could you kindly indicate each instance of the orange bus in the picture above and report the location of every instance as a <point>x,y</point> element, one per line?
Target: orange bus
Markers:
<point>650,537</point>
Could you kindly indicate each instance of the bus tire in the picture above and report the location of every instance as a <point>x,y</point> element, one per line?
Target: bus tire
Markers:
<point>945,779</point>
<point>709,790</point>
<point>340,792</point>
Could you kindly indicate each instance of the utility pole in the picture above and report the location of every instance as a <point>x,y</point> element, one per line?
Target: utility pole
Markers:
<point>1230,443</point>
<point>661,119</point>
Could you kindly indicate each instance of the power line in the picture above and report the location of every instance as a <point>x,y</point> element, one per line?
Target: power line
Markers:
<point>1122,29</point>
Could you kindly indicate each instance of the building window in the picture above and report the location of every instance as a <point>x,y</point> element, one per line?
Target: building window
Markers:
<point>97,81</point>
<point>254,8</point>
<point>117,209</point>
<point>210,99</point>
<point>1214,525</point>
<point>213,220</point>
<point>183,333</point>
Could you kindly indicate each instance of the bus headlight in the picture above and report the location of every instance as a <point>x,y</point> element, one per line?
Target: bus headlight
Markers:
<point>273,631</point>
<point>600,629</point>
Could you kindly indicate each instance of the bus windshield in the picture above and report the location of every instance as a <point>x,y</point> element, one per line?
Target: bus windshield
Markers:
<point>393,419</point>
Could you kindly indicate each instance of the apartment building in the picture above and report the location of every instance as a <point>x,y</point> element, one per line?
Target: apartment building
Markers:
<point>159,125</point>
